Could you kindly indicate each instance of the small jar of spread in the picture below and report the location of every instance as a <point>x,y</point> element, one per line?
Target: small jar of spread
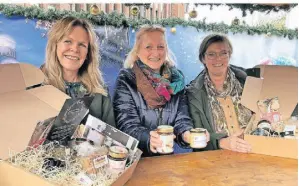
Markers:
<point>264,124</point>
<point>198,138</point>
<point>166,136</point>
<point>117,157</point>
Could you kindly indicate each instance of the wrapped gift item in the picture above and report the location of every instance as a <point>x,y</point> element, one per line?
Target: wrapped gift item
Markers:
<point>269,109</point>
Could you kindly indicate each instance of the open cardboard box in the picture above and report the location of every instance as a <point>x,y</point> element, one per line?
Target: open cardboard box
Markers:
<point>14,176</point>
<point>275,81</point>
<point>23,104</point>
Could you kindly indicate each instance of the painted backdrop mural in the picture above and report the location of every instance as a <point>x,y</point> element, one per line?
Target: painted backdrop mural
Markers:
<point>24,40</point>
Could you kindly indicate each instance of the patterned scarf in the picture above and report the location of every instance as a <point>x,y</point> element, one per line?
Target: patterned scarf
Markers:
<point>157,88</point>
<point>75,89</point>
<point>232,88</point>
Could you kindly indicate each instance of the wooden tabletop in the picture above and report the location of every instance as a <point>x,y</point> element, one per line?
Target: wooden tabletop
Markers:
<point>215,168</point>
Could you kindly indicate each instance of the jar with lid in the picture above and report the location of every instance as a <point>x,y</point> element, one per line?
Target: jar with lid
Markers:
<point>198,138</point>
<point>264,124</point>
<point>166,136</point>
<point>117,157</point>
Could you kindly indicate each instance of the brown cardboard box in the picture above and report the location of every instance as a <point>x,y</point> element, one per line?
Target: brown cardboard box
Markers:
<point>9,173</point>
<point>280,81</point>
<point>13,176</point>
<point>22,105</point>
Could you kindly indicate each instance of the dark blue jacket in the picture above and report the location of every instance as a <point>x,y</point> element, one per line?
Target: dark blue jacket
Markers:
<point>135,118</point>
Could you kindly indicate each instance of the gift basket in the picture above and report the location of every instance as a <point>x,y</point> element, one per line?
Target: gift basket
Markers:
<point>77,149</point>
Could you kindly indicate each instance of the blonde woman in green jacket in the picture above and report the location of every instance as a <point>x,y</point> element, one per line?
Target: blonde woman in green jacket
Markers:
<point>214,96</point>
<point>72,65</point>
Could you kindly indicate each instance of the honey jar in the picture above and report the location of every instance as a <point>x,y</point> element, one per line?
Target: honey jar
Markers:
<point>198,138</point>
<point>166,136</point>
<point>117,157</point>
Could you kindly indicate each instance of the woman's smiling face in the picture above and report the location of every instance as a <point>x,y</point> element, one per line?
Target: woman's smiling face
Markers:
<point>72,49</point>
<point>217,58</point>
<point>152,49</point>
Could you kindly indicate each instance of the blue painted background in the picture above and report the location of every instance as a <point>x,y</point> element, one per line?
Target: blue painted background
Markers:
<point>29,42</point>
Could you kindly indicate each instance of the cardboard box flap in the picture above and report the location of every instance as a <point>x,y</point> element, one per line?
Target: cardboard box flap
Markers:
<point>20,113</point>
<point>31,74</point>
<point>251,93</point>
<point>11,78</point>
<point>46,94</point>
<point>281,81</point>
<point>277,69</point>
<point>14,77</point>
<point>21,109</point>
<point>276,81</point>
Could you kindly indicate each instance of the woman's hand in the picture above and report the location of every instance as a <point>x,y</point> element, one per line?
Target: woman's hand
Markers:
<point>234,143</point>
<point>155,141</point>
<point>186,136</point>
<point>208,136</point>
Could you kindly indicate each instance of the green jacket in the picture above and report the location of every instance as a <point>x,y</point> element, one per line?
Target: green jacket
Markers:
<point>200,109</point>
<point>101,107</point>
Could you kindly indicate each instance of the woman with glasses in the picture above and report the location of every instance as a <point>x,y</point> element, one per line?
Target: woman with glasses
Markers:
<point>214,96</point>
<point>149,92</point>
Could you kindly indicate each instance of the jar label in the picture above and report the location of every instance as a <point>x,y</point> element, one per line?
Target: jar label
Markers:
<point>117,165</point>
<point>199,141</point>
<point>100,161</point>
<point>167,144</point>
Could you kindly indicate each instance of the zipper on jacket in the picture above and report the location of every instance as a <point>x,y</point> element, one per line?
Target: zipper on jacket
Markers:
<point>159,122</point>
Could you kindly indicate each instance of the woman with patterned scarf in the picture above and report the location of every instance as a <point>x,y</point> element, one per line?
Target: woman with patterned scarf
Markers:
<point>214,96</point>
<point>149,92</point>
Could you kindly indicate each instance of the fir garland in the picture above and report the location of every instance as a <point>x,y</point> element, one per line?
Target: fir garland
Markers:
<point>120,20</point>
<point>254,7</point>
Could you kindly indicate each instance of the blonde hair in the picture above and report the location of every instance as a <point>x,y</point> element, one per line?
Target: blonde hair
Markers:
<point>89,73</point>
<point>132,56</point>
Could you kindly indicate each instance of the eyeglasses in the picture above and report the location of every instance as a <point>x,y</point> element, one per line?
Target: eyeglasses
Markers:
<point>214,55</point>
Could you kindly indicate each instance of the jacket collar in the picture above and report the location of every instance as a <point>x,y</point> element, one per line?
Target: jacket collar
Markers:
<point>197,83</point>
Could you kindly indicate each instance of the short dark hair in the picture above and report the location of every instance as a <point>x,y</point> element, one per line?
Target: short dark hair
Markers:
<point>210,39</point>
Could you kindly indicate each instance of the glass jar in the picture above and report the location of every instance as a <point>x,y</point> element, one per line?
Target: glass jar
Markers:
<point>291,128</point>
<point>264,124</point>
<point>198,138</point>
<point>117,157</point>
<point>166,136</point>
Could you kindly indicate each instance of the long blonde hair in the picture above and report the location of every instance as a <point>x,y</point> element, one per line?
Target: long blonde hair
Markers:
<point>132,56</point>
<point>89,73</point>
